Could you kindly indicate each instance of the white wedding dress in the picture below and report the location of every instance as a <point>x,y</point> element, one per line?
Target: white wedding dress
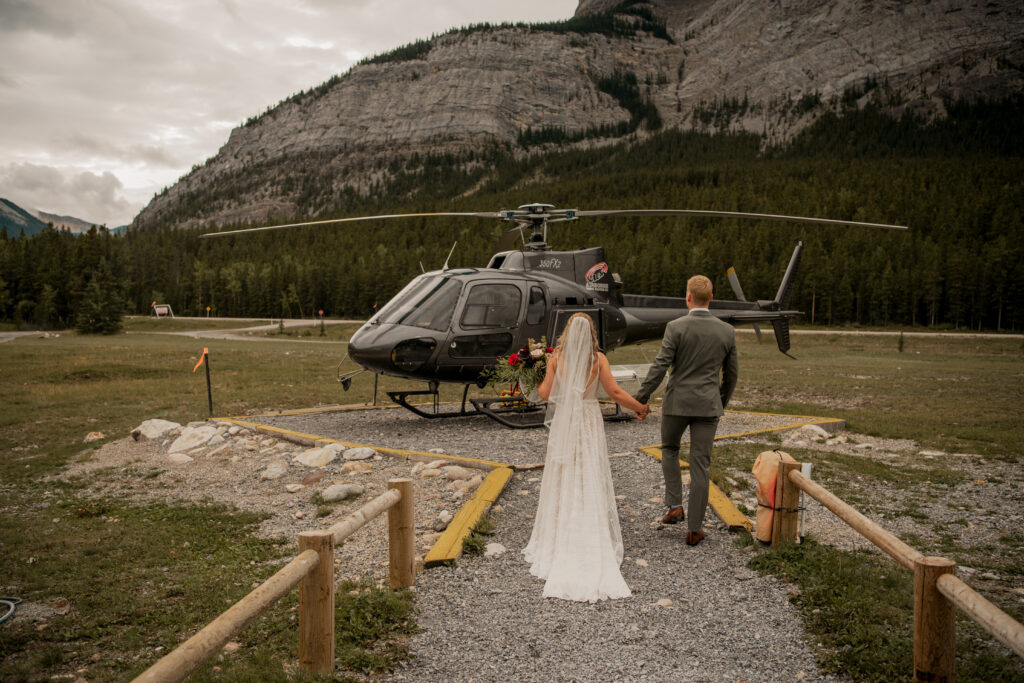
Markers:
<point>576,544</point>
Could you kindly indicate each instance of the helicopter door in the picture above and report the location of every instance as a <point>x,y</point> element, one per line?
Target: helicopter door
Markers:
<point>486,327</point>
<point>560,319</point>
<point>533,325</point>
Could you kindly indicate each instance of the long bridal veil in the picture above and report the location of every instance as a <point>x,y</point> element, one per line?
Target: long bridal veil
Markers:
<point>576,542</point>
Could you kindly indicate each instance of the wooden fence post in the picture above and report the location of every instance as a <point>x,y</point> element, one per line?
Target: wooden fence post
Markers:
<point>934,623</point>
<point>316,606</point>
<point>401,539</point>
<point>787,499</point>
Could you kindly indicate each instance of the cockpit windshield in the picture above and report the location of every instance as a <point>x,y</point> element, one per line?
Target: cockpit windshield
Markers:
<point>428,302</point>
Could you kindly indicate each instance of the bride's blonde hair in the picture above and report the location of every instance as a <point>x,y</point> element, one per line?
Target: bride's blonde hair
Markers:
<point>593,335</point>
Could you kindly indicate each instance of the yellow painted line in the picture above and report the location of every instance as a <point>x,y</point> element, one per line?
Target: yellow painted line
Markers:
<point>719,502</point>
<point>473,462</point>
<point>448,547</point>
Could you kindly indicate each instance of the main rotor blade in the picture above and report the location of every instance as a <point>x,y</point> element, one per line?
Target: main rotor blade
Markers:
<point>487,214</point>
<point>737,214</point>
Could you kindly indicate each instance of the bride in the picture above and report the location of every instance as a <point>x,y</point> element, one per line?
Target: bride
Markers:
<point>576,544</point>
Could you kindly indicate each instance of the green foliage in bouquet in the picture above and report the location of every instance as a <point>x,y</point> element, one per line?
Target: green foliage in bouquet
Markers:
<point>523,370</point>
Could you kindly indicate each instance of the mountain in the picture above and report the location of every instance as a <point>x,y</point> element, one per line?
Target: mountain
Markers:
<point>614,71</point>
<point>75,225</point>
<point>18,220</point>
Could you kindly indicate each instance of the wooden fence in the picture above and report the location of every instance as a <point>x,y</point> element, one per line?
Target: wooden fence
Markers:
<point>937,590</point>
<point>313,571</point>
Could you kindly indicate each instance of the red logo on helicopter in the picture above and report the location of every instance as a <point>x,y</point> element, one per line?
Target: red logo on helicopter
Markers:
<point>597,272</point>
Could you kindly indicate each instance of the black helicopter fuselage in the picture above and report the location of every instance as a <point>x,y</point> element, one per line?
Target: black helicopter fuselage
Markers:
<point>451,325</point>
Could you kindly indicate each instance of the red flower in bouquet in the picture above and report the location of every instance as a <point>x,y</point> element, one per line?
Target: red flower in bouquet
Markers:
<point>513,359</point>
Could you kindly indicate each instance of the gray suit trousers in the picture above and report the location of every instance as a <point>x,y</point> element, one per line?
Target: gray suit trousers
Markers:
<point>702,436</point>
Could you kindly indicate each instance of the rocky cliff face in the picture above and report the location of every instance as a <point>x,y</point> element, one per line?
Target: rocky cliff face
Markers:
<point>720,63</point>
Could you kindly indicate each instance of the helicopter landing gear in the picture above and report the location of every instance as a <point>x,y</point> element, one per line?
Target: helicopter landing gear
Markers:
<point>512,411</point>
<point>402,399</point>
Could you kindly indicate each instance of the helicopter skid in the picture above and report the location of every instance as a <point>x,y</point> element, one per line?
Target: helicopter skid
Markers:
<point>402,399</point>
<point>514,412</point>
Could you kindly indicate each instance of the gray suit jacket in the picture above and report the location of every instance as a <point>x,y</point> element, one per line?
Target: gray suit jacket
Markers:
<point>696,347</point>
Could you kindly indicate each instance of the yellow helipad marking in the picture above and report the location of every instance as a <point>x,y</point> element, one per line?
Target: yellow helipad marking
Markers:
<point>448,547</point>
<point>719,502</point>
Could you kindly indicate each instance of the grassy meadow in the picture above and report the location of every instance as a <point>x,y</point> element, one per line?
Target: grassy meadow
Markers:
<point>139,578</point>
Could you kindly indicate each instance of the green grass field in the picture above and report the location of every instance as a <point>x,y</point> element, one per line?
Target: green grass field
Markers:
<point>139,585</point>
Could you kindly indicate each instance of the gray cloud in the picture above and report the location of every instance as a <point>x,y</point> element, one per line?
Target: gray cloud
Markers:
<point>22,15</point>
<point>133,94</point>
<point>94,197</point>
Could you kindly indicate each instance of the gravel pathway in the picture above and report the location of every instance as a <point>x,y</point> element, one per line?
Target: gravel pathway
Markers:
<point>697,614</point>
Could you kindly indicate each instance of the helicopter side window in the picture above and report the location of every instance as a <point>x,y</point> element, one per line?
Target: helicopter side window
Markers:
<point>492,305</point>
<point>536,308</point>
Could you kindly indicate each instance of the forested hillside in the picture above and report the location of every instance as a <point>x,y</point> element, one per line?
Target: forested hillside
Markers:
<point>957,182</point>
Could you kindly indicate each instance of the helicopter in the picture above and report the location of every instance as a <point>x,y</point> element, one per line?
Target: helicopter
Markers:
<point>451,325</point>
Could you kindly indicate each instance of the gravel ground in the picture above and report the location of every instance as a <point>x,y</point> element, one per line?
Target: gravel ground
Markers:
<point>696,614</point>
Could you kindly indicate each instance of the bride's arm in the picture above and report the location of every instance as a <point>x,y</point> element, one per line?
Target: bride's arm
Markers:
<point>612,388</point>
<point>549,379</point>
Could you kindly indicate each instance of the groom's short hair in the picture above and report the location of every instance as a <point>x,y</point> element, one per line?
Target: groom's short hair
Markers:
<point>699,289</point>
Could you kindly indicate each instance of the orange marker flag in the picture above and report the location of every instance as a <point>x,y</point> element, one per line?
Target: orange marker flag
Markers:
<point>206,352</point>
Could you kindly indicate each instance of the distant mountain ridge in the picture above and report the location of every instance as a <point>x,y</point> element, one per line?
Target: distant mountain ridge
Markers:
<point>32,222</point>
<point>18,220</point>
<point>616,70</point>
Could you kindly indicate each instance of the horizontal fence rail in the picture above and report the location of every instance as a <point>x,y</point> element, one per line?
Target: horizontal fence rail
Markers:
<point>313,572</point>
<point>937,590</point>
<point>997,622</point>
<point>893,546</point>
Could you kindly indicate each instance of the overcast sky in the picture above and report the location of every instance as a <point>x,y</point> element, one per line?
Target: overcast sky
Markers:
<point>105,102</point>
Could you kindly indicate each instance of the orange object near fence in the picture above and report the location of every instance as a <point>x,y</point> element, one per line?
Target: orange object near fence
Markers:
<point>766,471</point>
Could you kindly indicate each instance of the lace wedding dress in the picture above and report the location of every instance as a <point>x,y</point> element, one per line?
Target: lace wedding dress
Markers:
<point>576,544</point>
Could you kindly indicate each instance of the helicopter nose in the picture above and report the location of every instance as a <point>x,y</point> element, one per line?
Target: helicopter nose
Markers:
<point>365,349</point>
<point>392,349</point>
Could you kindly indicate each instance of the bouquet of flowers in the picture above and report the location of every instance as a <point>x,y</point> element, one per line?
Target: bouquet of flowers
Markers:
<point>524,370</point>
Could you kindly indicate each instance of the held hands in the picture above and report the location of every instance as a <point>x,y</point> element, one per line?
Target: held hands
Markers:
<point>644,411</point>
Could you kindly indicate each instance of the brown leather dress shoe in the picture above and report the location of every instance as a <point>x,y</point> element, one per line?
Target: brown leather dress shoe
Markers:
<point>694,537</point>
<point>674,516</point>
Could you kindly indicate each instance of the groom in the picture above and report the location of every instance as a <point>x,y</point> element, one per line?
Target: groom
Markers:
<point>695,347</point>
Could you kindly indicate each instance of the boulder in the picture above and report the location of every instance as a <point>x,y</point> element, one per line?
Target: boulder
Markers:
<point>318,457</point>
<point>456,473</point>
<point>341,492</point>
<point>294,488</point>
<point>275,470</point>
<point>444,518</point>
<point>494,550</point>
<point>154,429</point>
<point>313,477</point>
<point>192,437</point>
<point>358,466</point>
<point>179,458</point>
<point>815,431</point>
<point>362,453</point>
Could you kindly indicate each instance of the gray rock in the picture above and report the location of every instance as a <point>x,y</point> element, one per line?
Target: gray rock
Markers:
<point>275,470</point>
<point>359,453</point>
<point>193,437</point>
<point>494,550</point>
<point>318,457</point>
<point>341,492</point>
<point>154,429</point>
